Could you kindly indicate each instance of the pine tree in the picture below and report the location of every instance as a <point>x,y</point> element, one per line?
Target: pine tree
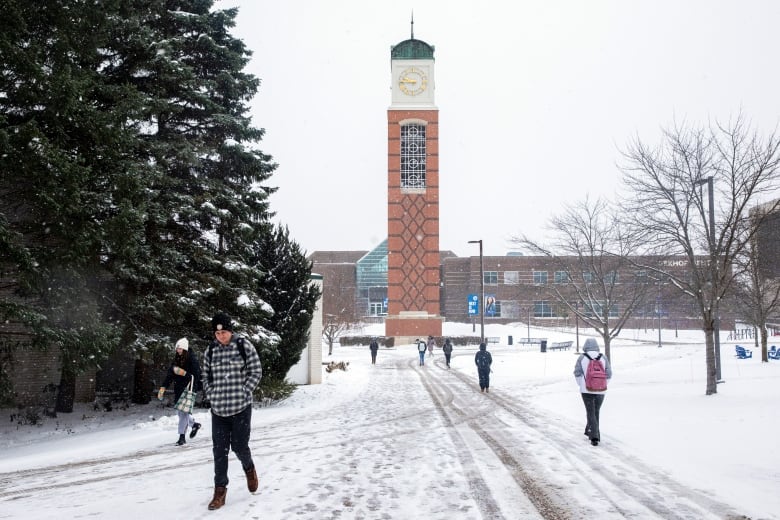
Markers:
<point>206,204</point>
<point>63,136</point>
<point>286,286</point>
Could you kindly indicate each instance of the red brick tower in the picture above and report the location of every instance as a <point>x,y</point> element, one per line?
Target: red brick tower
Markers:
<point>412,195</point>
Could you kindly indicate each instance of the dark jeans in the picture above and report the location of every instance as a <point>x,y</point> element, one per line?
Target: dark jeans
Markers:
<point>484,377</point>
<point>231,432</point>
<point>593,404</point>
<point>447,357</point>
<point>373,358</point>
<point>422,358</point>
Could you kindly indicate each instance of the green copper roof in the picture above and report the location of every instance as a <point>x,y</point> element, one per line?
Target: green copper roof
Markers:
<point>411,50</point>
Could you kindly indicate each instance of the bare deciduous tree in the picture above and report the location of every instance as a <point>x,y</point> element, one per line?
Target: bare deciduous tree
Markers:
<point>667,199</point>
<point>339,316</point>
<point>593,247</point>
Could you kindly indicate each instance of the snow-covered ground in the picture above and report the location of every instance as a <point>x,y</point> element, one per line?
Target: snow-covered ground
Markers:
<point>399,441</point>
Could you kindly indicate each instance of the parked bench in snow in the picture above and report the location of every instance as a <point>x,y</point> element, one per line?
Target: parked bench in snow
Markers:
<point>530,341</point>
<point>492,339</point>
<point>743,353</point>
<point>561,345</point>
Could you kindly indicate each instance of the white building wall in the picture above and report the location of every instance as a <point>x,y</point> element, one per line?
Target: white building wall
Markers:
<point>308,370</point>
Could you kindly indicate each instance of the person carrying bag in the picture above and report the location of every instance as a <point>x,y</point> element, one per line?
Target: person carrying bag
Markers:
<point>184,373</point>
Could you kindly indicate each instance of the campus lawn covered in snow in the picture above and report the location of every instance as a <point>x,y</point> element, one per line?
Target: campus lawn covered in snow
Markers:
<point>349,448</point>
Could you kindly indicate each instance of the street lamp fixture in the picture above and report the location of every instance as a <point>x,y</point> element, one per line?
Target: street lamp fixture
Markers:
<point>481,291</point>
<point>713,272</point>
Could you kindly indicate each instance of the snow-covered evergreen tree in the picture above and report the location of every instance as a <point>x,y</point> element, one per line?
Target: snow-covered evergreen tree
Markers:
<point>286,286</point>
<point>63,139</point>
<point>206,202</point>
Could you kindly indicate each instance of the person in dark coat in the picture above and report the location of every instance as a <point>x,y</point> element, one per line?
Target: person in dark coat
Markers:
<point>592,399</point>
<point>447,349</point>
<point>373,347</point>
<point>183,368</point>
<point>483,360</point>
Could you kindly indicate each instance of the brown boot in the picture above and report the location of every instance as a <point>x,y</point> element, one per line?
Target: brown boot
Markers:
<point>251,479</point>
<point>219,498</point>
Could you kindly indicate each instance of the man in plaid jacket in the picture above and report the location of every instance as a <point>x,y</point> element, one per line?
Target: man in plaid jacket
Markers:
<point>231,371</point>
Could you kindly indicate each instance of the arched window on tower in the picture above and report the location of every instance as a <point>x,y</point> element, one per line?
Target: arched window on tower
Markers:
<point>413,156</point>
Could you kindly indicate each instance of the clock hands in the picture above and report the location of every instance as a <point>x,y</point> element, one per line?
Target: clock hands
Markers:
<point>408,80</point>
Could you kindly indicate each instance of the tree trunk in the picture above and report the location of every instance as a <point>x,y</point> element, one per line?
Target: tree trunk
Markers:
<point>709,336</point>
<point>66,392</point>
<point>764,341</point>
<point>142,383</point>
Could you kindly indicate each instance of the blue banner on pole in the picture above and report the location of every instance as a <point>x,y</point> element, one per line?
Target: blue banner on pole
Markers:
<point>473,303</point>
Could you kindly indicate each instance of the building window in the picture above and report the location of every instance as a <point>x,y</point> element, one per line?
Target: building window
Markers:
<point>511,277</point>
<point>413,156</point>
<point>377,309</point>
<point>587,277</point>
<point>561,277</point>
<point>542,309</point>
<point>641,277</point>
<point>540,277</point>
<point>596,308</point>
<point>611,278</point>
<point>490,277</point>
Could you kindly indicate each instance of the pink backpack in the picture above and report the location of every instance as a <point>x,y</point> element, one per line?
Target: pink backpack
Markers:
<point>595,375</point>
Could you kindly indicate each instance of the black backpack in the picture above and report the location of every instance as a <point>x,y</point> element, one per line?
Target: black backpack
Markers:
<point>241,350</point>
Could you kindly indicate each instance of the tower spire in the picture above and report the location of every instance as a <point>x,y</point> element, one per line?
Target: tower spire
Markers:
<point>412,24</point>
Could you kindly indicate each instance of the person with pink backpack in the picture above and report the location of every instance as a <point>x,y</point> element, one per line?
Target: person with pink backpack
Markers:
<point>592,371</point>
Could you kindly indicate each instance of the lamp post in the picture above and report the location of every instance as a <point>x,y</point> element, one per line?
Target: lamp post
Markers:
<point>658,310</point>
<point>529,322</point>
<point>713,272</point>
<point>577,323</point>
<point>481,292</point>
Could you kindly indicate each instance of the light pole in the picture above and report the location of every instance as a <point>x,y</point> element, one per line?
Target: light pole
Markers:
<point>577,323</point>
<point>529,323</point>
<point>713,272</point>
<point>658,309</point>
<point>481,292</point>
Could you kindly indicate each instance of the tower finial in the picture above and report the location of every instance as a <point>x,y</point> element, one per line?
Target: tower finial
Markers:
<point>412,24</point>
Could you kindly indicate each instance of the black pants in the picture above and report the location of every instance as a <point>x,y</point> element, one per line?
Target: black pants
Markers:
<point>447,357</point>
<point>373,358</point>
<point>484,377</point>
<point>593,404</point>
<point>231,432</point>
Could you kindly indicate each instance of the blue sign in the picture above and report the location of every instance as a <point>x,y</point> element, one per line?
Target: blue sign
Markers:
<point>384,303</point>
<point>473,303</point>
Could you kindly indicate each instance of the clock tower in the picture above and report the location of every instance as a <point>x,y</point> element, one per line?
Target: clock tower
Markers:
<point>413,273</point>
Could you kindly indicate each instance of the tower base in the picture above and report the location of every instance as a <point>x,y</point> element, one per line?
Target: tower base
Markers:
<point>410,325</point>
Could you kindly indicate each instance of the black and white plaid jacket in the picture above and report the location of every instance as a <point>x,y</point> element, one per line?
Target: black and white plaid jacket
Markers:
<point>227,380</point>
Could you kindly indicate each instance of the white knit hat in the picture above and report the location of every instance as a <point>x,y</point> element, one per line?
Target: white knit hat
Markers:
<point>183,344</point>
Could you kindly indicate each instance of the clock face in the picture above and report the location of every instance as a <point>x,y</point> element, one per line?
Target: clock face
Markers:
<point>412,81</point>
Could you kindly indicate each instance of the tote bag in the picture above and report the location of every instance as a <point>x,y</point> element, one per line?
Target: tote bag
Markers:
<point>187,399</point>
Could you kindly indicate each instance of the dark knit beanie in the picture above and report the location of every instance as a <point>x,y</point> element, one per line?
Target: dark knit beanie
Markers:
<point>221,321</point>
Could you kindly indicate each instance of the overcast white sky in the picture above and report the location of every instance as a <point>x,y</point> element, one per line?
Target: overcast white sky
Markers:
<point>536,99</point>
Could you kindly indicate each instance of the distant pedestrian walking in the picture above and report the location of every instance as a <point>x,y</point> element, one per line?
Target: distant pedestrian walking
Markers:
<point>421,347</point>
<point>483,360</point>
<point>431,345</point>
<point>447,349</point>
<point>373,347</point>
<point>592,391</point>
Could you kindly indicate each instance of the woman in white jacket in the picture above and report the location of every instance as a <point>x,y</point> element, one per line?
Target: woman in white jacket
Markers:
<point>593,399</point>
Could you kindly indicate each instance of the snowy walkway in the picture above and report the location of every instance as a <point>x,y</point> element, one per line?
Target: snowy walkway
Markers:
<point>407,442</point>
